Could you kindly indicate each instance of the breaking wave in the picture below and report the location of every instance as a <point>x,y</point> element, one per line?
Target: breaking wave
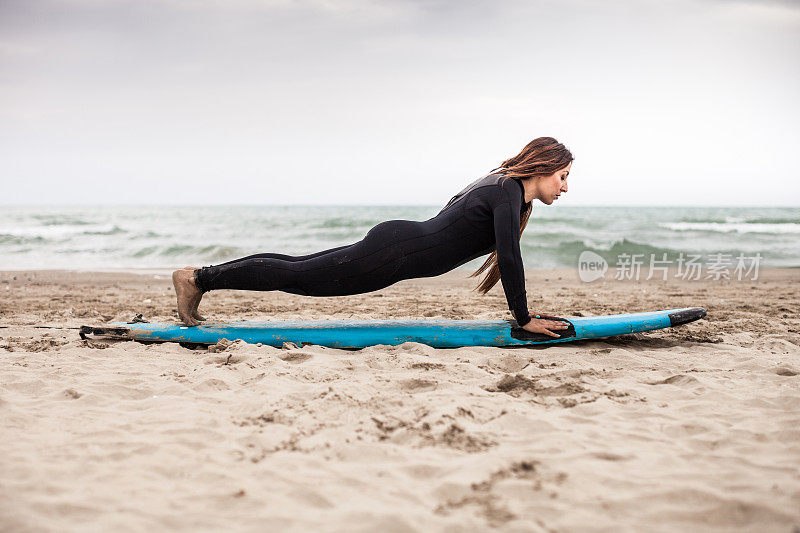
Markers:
<point>166,237</point>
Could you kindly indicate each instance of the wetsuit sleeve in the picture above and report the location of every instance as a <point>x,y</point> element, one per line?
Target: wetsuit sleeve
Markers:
<point>509,258</point>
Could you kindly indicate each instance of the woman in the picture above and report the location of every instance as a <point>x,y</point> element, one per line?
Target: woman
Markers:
<point>486,217</point>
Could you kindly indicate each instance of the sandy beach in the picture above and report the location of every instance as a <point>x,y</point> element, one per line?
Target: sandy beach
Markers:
<point>692,428</point>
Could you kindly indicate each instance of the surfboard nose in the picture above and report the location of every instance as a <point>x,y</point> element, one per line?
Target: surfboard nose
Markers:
<point>684,316</point>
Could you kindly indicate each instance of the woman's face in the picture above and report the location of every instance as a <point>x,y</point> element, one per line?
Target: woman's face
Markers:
<point>552,186</point>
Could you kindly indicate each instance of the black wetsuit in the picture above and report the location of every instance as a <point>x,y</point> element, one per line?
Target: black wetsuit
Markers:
<point>483,217</point>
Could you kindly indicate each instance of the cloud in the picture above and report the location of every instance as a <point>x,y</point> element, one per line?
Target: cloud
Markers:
<point>783,13</point>
<point>183,92</point>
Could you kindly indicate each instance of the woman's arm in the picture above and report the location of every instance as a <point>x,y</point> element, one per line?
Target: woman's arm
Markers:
<point>509,259</point>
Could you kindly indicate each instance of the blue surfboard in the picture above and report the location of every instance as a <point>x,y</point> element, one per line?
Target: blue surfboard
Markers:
<point>363,333</point>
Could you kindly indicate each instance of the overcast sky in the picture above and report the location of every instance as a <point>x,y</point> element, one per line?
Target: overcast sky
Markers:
<point>687,102</point>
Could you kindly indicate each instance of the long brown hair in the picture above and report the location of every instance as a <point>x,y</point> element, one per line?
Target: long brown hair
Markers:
<point>542,156</point>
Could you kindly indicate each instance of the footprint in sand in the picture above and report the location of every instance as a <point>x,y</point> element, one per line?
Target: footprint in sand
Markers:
<point>296,357</point>
<point>680,379</point>
<point>417,385</point>
<point>510,363</point>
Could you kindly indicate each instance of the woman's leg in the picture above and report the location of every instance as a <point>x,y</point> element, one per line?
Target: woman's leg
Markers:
<point>284,257</point>
<point>367,265</point>
<point>377,261</point>
<point>197,295</point>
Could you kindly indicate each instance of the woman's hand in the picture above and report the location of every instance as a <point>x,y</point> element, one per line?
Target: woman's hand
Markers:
<point>545,324</point>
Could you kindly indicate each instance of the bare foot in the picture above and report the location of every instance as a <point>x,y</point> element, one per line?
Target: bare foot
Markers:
<point>183,280</point>
<point>196,302</point>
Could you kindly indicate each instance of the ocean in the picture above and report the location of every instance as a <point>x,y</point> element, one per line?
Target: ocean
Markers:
<point>162,238</point>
